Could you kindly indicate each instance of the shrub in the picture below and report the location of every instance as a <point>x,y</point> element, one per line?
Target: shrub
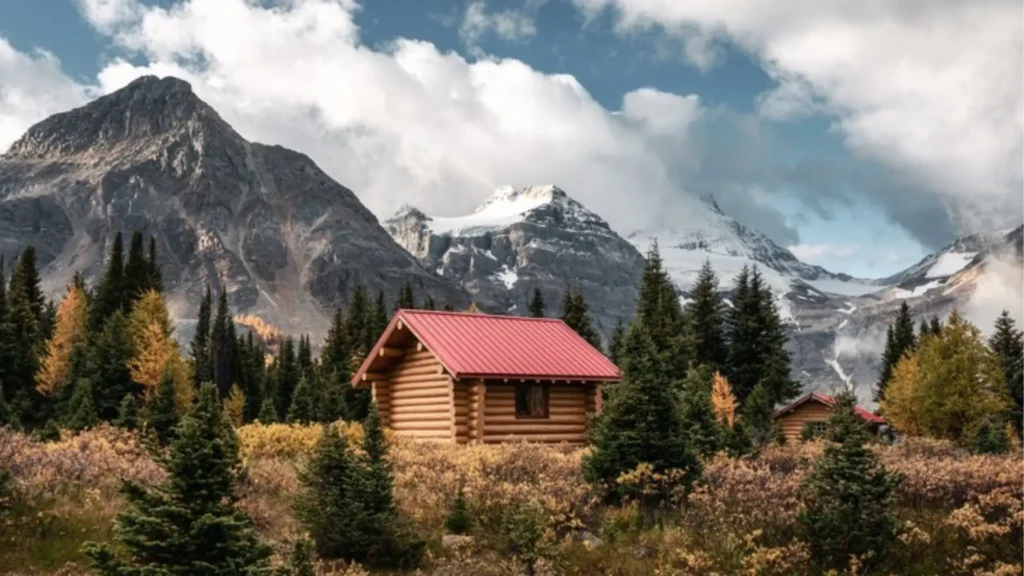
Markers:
<point>458,518</point>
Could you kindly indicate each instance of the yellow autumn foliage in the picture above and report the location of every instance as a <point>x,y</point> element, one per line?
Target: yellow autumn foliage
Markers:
<point>722,399</point>
<point>234,405</point>
<point>287,441</point>
<point>156,351</point>
<point>149,308</point>
<point>69,330</point>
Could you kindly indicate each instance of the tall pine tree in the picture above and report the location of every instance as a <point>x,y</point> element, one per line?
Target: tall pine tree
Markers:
<point>576,313</point>
<point>899,339</point>
<point>136,270</point>
<point>110,294</point>
<point>1007,342</point>
<point>156,278</point>
<point>660,313</point>
<point>406,300</point>
<point>24,335</point>
<point>536,304</point>
<point>707,321</point>
<point>111,352</point>
<point>222,345</point>
<point>202,362</point>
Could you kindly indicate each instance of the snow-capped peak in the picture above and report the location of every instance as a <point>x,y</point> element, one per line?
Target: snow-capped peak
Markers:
<point>507,199</point>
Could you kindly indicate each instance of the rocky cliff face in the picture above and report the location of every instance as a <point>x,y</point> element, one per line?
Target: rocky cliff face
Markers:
<point>518,240</point>
<point>288,242</point>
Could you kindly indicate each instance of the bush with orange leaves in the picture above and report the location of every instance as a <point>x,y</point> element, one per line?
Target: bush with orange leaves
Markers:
<point>962,514</point>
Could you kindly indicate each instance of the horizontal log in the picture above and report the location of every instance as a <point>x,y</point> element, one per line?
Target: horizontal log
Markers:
<point>419,378</point>
<point>439,384</point>
<point>462,431</point>
<point>490,410</point>
<point>419,362</point>
<point>545,438</point>
<point>574,419</point>
<point>403,370</point>
<point>372,376</point>
<point>426,434</point>
<point>403,408</point>
<point>419,421</point>
<point>399,425</point>
<point>405,394</point>
<point>529,429</point>
<point>386,352</point>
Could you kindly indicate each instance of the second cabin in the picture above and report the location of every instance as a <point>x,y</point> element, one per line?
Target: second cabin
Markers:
<point>469,378</point>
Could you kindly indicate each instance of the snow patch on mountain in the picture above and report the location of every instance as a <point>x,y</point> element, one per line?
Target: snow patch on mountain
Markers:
<point>950,263</point>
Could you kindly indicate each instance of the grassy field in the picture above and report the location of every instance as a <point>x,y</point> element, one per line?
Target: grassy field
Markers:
<point>961,514</point>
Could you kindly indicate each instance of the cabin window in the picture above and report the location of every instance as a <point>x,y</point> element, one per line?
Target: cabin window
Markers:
<point>813,429</point>
<point>531,400</point>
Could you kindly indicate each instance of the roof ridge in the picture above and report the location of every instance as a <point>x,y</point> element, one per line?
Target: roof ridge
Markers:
<point>476,314</point>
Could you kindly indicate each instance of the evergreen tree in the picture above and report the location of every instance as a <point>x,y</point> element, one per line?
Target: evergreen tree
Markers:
<point>6,343</point>
<point>81,413</point>
<point>537,304</point>
<point>305,356</point>
<point>660,313</point>
<point>202,363</point>
<point>707,321</point>
<point>301,562</point>
<point>191,523</point>
<point>222,345</point>
<point>448,307</point>
<point>268,414</point>
<point>337,350</point>
<point>899,340</point>
<point>923,330</point>
<point>358,322</point>
<point>576,314</point>
<point>640,422</point>
<point>326,502</point>
<point>136,270</point>
<point>935,326</point>
<point>698,413</point>
<point>304,407</point>
<point>25,280</point>
<point>156,279</point>
<point>378,321</point>
<point>5,415</point>
<point>848,497</point>
<point>288,376</point>
<point>23,340</point>
<point>406,300</point>
<point>757,341</point>
<point>111,352</point>
<point>110,294</point>
<point>128,414</point>
<point>990,437</point>
<point>757,417</point>
<point>428,303</point>
<point>615,344</point>
<point>458,519</point>
<point>1007,342</point>
<point>335,387</point>
<point>161,414</point>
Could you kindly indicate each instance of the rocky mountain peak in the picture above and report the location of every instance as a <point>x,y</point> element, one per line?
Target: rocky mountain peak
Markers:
<point>149,109</point>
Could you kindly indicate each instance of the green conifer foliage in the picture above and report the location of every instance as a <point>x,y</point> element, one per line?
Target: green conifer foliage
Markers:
<point>301,561</point>
<point>641,422</point>
<point>899,339</point>
<point>576,313</point>
<point>111,350</point>
<point>156,279</point>
<point>161,414</point>
<point>378,321</point>
<point>222,345</point>
<point>698,413</point>
<point>23,339</point>
<point>268,414</point>
<point>136,270</point>
<point>406,300</point>
<point>191,523</point>
<point>128,414</point>
<point>358,322</point>
<point>706,317</point>
<point>615,343</point>
<point>202,363</point>
<point>757,417</point>
<point>1007,342</point>
<point>848,497</point>
<point>288,375</point>
<point>304,406</point>
<point>536,306</point>
<point>428,303</point>
<point>659,310</point>
<point>110,294</point>
<point>458,520</point>
<point>81,413</point>
<point>305,356</point>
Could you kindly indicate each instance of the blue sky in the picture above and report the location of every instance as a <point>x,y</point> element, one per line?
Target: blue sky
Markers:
<point>829,180</point>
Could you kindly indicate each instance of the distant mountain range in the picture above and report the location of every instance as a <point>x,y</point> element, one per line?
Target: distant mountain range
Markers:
<point>290,243</point>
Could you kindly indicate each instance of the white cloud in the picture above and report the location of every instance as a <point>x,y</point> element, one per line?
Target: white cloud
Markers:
<point>408,123</point>
<point>32,87</point>
<point>932,88</point>
<point>822,253</point>
<point>506,24</point>
<point>1000,287</point>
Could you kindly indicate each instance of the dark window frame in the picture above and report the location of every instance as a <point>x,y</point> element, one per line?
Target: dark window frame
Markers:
<point>522,391</point>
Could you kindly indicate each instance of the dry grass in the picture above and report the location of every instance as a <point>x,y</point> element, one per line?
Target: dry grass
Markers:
<point>962,514</point>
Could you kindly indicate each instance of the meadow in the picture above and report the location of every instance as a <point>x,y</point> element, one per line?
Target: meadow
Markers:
<point>960,514</point>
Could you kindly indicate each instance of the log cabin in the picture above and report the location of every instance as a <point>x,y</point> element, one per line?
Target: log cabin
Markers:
<point>813,410</point>
<point>477,378</point>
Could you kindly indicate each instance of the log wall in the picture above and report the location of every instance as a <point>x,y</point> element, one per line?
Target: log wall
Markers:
<point>420,397</point>
<point>566,421</point>
<point>792,422</point>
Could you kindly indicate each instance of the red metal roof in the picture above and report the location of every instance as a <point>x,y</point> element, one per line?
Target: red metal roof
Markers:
<point>830,401</point>
<point>485,346</point>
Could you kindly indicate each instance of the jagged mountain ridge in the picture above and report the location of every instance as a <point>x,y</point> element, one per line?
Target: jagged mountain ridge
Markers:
<point>287,240</point>
<point>518,240</point>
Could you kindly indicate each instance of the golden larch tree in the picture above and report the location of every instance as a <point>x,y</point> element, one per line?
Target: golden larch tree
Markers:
<point>68,331</point>
<point>156,350</point>
<point>723,400</point>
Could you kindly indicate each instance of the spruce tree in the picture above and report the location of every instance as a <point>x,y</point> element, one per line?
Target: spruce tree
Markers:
<point>458,520</point>
<point>305,356</point>
<point>576,313</point>
<point>337,350</point>
<point>161,414</point>
<point>989,437</point>
<point>110,294</point>
<point>615,343</point>
<point>191,523</point>
<point>640,422</point>
<point>698,414</point>
<point>662,316</point>
<point>899,340</point>
<point>537,304</point>
<point>757,417</point>
<point>288,375</point>
<point>222,345</point>
<point>81,413</point>
<point>848,497</point>
<point>406,300</point>
<point>706,317</point>
<point>304,406</point>
<point>111,350</point>
<point>935,326</point>
<point>358,322</point>
<point>268,414</point>
<point>378,321</point>
<point>1007,342</point>
<point>24,337</point>
<point>325,505</point>
<point>136,270</point>
<point>428,303</point>
<point>300,563</point>
<point>156,279</point>
<point>202,363</point>
<point>128,414</point>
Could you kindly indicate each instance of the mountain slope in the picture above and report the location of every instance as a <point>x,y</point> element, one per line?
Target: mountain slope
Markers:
<point>518,240</point>
<point>288,242</point>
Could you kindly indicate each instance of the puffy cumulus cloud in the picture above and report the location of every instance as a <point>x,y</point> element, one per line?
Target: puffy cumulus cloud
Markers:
<point>1000,287</point>
<point>506,24</point>
<point>32,87</point>
<point>930,88</point>
<point>409,123</point>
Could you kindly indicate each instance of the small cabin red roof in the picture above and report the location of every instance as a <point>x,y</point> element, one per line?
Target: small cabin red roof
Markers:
<point>485,346</point>
<point>829,401</point>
